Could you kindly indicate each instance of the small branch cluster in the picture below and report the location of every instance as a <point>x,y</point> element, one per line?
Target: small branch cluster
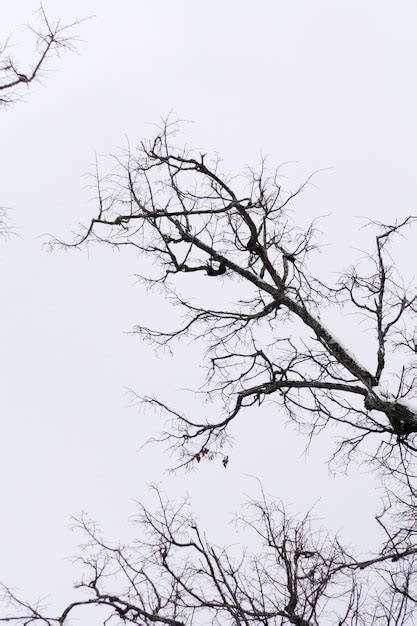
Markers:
<point>51,38</point>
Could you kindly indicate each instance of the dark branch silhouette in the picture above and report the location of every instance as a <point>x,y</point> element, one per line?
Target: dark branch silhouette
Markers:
<point>172,574</point>
<point>51,38</point>
<point>177,209</point>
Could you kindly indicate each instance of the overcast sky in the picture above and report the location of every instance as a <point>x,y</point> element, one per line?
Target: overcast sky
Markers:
<point>325,85</point>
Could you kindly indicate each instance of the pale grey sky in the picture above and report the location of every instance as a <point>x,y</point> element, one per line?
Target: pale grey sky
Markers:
<point>323,84</point>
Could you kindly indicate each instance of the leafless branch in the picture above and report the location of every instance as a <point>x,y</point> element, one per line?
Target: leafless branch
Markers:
<point>51,38</point>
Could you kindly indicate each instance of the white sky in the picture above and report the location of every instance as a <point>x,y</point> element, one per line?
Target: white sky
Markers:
<point>323,84</point>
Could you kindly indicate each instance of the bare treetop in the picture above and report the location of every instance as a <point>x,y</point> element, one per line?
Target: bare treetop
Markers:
<point>172,574</point>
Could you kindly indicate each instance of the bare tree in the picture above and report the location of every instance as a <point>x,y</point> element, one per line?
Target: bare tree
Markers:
<point>173,575</point>
<point>51,38</point>
<point>179,210</point>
